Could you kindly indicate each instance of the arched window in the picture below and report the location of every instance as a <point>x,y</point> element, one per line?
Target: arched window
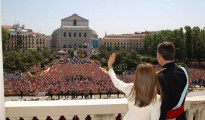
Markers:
<point>74,22</point>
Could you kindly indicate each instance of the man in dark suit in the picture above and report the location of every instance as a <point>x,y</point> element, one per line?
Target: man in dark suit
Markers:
<point>173,81</point>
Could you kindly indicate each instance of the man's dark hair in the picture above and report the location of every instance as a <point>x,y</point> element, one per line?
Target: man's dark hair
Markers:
<point>166,50</point>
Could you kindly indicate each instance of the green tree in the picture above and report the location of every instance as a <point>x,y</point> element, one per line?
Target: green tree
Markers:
<point>147,45</point>
<point>37,55</point>
<point>103,53</point>
<point>12,61</point>
<point>5,38</point>
<point>188,43</point>
<point>27,60</point>
<point>46,53</point>
<point>178,41</point>
<point>198,45</point>
<point>203,41</point>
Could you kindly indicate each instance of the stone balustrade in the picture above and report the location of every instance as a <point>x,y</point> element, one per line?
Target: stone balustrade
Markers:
<point>98,109</point>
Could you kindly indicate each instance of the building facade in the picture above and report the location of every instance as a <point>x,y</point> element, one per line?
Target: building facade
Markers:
<point>128,41</point>
<point>24,39</point>
<point>74,33</point>
<point>48,42</point>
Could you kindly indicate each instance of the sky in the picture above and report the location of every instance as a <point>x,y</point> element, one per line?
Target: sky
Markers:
<point>105,16</point>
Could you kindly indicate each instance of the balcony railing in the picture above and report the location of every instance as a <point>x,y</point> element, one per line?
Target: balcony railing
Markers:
<point>98,109</point>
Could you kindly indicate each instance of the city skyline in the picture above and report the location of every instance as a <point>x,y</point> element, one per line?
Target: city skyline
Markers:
<point>111,17</point>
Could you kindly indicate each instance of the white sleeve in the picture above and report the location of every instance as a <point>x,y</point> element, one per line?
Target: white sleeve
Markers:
<point>117,83</point>
<point>155,113</point>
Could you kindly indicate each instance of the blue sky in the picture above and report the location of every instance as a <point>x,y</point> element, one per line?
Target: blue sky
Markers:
<point>111,16</point>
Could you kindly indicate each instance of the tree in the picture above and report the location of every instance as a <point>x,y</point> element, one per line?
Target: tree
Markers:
<point>198,45</point>
<point>188,43</point>
<point>103,53</point>
<point>147,45</point>
<point>13,62</point>
<point>5,38</point>
<point>203,41</point>
<point>37,55</point>
<point>27,60</point>
<point>178,41</point>
<point>46,53</point>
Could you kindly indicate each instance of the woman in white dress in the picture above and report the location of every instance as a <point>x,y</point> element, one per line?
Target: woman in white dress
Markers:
<point>142,95</point>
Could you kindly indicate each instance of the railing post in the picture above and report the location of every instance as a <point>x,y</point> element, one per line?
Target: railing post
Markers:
<point>196,114</point>
<point>2,108</point>
<point>189,114</point>
<point>200,113</point>
<point>203,114</point>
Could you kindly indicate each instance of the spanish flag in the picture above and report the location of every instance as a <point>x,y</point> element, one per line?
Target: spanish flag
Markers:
<point>30,74</point>
<point>103,69</point>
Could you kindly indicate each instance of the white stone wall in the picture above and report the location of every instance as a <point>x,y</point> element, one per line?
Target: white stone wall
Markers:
<point>99,109</point>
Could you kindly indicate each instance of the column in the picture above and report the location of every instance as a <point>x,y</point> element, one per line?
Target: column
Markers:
<point>2,108</point>
<point>197,113</point>
<point>189,114</point>
<point>203,114</point>
<point>200,112</point>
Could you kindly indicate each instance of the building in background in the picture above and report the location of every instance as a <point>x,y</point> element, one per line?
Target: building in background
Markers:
<point>48,43</point>
<point>23,39</point>
<point>128,41</point>
<point>74,33</point>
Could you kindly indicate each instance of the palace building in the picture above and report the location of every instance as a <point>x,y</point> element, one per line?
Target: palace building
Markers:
<point>74,33</point>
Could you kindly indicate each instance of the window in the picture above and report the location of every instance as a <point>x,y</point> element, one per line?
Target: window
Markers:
<point>69,34</point>
<point>84,34</point>
<point>79,34</point>
<point>74,22</point>
<point>74,34</point>
<point>64,34</point>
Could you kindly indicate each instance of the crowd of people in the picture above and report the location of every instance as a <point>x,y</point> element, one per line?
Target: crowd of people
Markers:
<point>73,77</point>
<point>197,77</point>
<point>77,77</point>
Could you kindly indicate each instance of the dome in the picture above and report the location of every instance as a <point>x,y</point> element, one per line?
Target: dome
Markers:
<point>94,32</point>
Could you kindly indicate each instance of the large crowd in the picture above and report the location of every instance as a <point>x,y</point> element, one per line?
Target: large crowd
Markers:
<point>73,76</point>
<point>197,77</point>
<point>77,77</point>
